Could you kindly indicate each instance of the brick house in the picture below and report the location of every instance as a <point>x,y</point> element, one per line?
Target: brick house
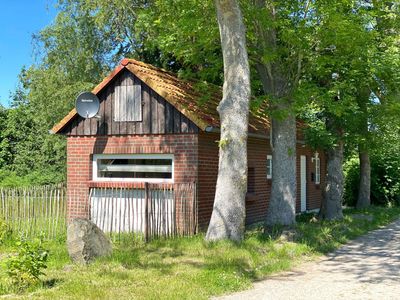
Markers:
<point>169,135</point>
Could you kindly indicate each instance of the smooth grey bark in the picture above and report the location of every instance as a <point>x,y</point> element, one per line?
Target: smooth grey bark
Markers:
<point>332,196</point>
<point>364,191</point>
<point>282,204</point>
<point>278,81</point>
<point>228,216</point>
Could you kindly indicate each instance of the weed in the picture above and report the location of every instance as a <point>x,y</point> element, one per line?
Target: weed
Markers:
<point>189,267</point>
<point>25,267</point>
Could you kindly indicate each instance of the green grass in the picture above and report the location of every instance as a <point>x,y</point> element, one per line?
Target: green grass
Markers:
<point>327,236</point>
<point>189,268</point>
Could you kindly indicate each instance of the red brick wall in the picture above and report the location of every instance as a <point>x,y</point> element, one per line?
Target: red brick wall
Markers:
<point>256,204</point>
<point>208,169</point>
<point>196,159</point>
<point>79,161</point>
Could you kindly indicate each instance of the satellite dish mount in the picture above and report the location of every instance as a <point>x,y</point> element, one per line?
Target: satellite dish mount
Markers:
<point>87,105</point>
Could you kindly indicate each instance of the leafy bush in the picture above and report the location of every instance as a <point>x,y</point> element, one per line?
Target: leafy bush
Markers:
<point>351,170</point>
<point>385,179</point>
<point>25,267</point>
<point>35,178</point>
<point>9,179</point>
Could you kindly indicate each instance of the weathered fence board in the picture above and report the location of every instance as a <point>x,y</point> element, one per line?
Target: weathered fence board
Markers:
<point>153,210</point>
<point>34,210</point>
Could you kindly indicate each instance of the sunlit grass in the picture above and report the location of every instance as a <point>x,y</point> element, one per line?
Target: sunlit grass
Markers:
<point>189,268</point>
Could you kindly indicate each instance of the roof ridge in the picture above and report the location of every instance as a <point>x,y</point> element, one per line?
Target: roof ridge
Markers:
<point>127,61</point>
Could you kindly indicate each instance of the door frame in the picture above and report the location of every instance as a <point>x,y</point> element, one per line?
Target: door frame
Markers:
<point>303,183</point>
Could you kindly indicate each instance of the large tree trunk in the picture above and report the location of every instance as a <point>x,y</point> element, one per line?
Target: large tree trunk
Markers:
<point>331,206</point>
<point>282,204</point>
<point>364,192</point>
<point>277,82</point>
<point>228,216</point>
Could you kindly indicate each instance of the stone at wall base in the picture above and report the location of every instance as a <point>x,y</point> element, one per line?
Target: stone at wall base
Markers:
<point>86,241</point>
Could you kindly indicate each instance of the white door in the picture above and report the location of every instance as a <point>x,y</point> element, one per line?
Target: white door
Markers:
<point>303,183</point>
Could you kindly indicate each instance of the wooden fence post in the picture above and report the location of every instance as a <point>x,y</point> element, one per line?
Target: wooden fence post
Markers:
<point>146,212</point>
<point>195,209</point>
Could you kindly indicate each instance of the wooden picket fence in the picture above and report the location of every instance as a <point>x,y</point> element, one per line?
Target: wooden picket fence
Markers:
<point>146,211</point>
<point>34,210</point>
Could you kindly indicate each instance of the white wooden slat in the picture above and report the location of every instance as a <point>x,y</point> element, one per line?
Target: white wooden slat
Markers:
<point>117,97</point>
<point>123,107</point>
<point>130,104</point>
<point>138,103</point>
<point>130,199</point>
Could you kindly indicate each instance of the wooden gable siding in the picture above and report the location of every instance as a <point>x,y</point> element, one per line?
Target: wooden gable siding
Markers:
<point>128,100</point>
<point>158,116</point>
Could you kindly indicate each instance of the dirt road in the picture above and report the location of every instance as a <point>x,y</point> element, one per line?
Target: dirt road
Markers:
<point>366,268</point>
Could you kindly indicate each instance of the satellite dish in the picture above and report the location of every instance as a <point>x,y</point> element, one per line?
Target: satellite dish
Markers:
<point>87,105</point>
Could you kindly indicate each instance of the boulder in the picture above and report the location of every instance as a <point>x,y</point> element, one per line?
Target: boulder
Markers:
<point>86,241</point>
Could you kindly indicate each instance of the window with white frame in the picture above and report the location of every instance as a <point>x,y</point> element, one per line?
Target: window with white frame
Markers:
<point>317,169</point>
<point>133,167</point>
<point>269,166</point>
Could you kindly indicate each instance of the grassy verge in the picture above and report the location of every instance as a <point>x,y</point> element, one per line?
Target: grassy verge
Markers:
<point>189,268</point>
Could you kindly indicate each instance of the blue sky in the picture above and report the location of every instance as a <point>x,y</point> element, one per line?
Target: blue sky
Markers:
<point>19,20</point>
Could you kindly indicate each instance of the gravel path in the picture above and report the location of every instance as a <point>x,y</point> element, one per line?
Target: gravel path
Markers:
<point>366,268</point>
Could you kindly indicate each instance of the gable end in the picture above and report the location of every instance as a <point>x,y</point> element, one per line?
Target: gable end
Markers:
<point>156,115</point>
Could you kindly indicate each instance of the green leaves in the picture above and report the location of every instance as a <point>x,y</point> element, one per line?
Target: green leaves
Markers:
<point>294,48</point>
<point>186,33</point>
<point>351,45</point>
<point>5,230</point>
<point>25,267</point>
<point>27,152</point>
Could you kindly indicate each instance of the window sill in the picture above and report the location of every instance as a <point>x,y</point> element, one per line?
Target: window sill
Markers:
<point>123,184</point>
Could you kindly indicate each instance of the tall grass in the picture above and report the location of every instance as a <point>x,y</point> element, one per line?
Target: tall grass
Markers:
<point>34,210</point>
<point>190,268</point>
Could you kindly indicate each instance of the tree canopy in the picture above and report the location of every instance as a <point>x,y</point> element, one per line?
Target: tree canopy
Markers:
<point>310,59</point>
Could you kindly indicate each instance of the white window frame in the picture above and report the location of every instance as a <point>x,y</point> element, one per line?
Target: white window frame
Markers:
<point>317,168</point>
<point>269,164</point>
<point>96,157</point>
